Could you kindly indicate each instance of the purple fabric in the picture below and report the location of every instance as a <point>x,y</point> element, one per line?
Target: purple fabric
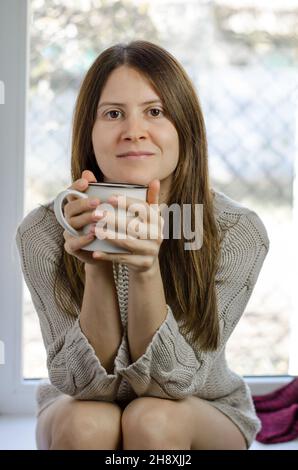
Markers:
<point>278,412</point>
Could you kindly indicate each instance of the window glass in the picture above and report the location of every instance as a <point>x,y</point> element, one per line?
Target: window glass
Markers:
<point>244,67</point>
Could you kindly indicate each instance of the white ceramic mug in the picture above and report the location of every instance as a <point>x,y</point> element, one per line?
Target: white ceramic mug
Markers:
<point>102,191</point>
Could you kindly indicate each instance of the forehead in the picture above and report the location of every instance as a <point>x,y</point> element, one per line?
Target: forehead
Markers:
<point>128,81</point>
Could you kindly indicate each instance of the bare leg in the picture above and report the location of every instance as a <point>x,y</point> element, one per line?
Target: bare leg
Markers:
<point>75,424</point>
<point>212,429</point>
<point>156,424</point>
<point>191,423</point>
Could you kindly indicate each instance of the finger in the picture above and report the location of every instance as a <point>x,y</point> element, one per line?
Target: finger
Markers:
<point>147,220</point>
<point>82,183</point>
<point>134,206</point>
<point>80,220</point>
<point>137,229</point>
<point>132,244</point>
<point>68,237</point>
<point>73,244</point>
<point>145,231</point>
<point>89,176</point>
<point>127,259</point>
<point>112,218</point>
<point>134,228</point>
<point>153,192</point>
<point>79,206</point>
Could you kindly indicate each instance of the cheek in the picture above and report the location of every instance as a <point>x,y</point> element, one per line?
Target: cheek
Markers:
<point>94,135</point>
<point>175,149</point>
<point>167,135</point>
<point>174,142</point>
<point>104,136</point>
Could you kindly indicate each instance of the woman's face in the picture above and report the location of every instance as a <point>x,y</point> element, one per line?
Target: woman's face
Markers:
<point>130,119</point>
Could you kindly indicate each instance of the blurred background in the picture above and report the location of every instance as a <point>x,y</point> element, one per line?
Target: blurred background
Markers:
<point>242,57</point>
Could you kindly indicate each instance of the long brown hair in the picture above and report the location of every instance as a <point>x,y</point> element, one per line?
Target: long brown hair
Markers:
<point>188,276</point>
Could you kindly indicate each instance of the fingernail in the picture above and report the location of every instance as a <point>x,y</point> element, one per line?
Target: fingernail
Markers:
<point>113,199</point>
<point>94,202</point>
<point>98,213</point>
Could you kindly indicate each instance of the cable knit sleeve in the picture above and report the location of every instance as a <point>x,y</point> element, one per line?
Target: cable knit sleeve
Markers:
<point>73,366</point>
<point>171,367</point>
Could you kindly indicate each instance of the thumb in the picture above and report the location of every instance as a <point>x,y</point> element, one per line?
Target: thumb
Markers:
<point>153,192</point>
<point>89,176</point>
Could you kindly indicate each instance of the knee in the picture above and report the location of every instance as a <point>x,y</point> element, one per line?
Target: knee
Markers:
<point>81,427</point>
<point>147,423</point>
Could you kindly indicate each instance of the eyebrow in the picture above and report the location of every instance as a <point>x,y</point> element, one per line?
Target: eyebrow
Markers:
<point>106,103</point>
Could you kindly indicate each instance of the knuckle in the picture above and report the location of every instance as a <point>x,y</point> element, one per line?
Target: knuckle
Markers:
<point>69,244</point>
<point>72,247</point>
<point>147,263</point>
<point>154,251</point>
<point>79,183</point>
<point>66,209</point>
<point>85,203</point>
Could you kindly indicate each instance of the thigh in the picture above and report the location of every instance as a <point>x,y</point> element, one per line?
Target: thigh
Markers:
<point>45,420</point>
<point>77,416</point>
<point>211,429</point>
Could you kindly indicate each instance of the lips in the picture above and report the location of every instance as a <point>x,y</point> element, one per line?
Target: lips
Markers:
<point>132,154</point>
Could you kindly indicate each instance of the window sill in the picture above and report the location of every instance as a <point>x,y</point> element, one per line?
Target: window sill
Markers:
<point>17,432</point>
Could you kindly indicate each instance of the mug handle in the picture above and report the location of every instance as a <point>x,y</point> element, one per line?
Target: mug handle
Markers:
<point>59,213</point>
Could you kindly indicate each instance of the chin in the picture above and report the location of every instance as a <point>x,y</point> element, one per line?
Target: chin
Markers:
<point>135,179</point>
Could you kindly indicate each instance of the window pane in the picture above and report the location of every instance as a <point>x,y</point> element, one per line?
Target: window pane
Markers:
<point>244,69</point>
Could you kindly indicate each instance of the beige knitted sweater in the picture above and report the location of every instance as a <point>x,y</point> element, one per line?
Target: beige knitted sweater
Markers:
<point>170,367</point>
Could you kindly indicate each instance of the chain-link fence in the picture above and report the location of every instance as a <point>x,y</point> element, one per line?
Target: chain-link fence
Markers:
<point>242,57</point>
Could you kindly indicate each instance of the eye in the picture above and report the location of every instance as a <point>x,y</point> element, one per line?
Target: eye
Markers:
<point>156,112</point>
<point>113,114</point>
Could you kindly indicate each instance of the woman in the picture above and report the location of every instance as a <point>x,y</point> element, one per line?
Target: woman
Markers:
<point>136,342</point>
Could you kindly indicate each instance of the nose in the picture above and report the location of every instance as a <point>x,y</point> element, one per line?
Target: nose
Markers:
<point>134,128</point>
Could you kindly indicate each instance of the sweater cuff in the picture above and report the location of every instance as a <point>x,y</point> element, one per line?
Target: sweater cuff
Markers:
<point>123,359</point>
<point>85,376</point>
<point>159,349</point>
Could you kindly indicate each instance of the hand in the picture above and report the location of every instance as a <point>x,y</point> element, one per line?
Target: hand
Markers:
<point>78,213</point>
<point>144,234</point>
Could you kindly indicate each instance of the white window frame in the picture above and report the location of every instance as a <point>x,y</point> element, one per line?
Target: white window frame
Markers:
<point>16,394</point>
<point>293,348</point>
